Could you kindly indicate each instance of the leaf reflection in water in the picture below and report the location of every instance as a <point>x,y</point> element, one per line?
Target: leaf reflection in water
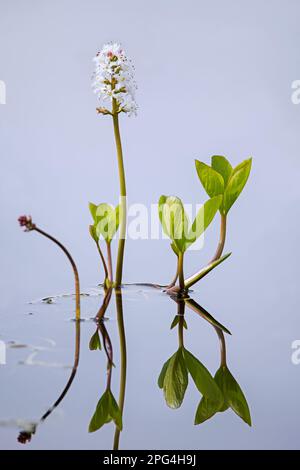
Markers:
<point>217,393</point>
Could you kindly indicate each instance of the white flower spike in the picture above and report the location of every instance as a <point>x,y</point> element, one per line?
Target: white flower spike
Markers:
<point>113,79</point>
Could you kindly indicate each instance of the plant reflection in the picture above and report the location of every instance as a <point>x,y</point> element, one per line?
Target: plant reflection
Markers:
<point>220,392</point>
<point>217,393</point>
<point>25,435</point>
<point>108,409</point>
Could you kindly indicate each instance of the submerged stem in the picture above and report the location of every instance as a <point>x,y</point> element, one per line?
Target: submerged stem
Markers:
<point>72,376</point>
<point>104,305</point>
<point>123,352</point>
<point>222,345</point>
<point>180,313</point>
<point>107,344</point>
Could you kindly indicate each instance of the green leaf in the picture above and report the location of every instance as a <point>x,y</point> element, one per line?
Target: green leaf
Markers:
<point>93,209</point>
<point>95,342</point>
<point>203,218</point>
<point>211,180</point>
<point>175,380</point>
<point>202,378</point>
<point>162,374</point>
<point>236,184</point>
<point>92,229</point>
<point>174,220</point>
<point>115,412</point>
<point>233,394</point>
<point>175,249</point>
<point>107,218</point>
<point>176,321</point>
<point>203,272</point>
<point>222,166</point>
<point>107,410</point>
<point>207,408</point>
<point>101,415</point>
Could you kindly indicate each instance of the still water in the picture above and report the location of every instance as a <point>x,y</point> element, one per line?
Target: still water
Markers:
<point>44,395</point>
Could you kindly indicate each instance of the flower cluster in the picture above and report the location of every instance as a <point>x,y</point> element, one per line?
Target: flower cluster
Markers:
<point>26,221</point>
<point>113,79</point>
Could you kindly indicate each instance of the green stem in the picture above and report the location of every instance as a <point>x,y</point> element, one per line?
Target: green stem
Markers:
<point>104,305</point>
<point>180,271</point>
<point>222,238</point>
<point>109,263</point>
<point>103,262</point>
<point>123,352</point>
<point>198,275</point>
<point>173,282</point>
<point>123,208</point>
<point>76,276</point>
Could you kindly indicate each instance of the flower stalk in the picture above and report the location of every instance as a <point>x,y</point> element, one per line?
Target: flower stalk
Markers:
<point>122,204</point>
<point>26,222</point>
<point>113,81</point>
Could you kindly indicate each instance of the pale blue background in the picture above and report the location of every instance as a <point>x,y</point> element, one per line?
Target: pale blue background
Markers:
<point>214,77</point>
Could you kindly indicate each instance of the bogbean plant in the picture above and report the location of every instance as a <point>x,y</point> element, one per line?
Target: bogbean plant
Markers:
<point>106,224</point>
<point>223,184</point>
<point>113,82</point>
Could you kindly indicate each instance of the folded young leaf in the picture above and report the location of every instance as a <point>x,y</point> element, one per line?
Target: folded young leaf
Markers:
<point>175,380</point>
<point>93,232</point>
<point>222,166</point>
<point>204,271</point>
<point>211,180</point>
<point>93,209</point>
<point>174,220</point>
<point>107,218</point>
<point>236,183</point>
<point>233,394</point>
<point>202,378</point>
<point>95,342</point>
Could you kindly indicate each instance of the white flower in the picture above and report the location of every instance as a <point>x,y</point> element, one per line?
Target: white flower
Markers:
<point>113,78</point>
